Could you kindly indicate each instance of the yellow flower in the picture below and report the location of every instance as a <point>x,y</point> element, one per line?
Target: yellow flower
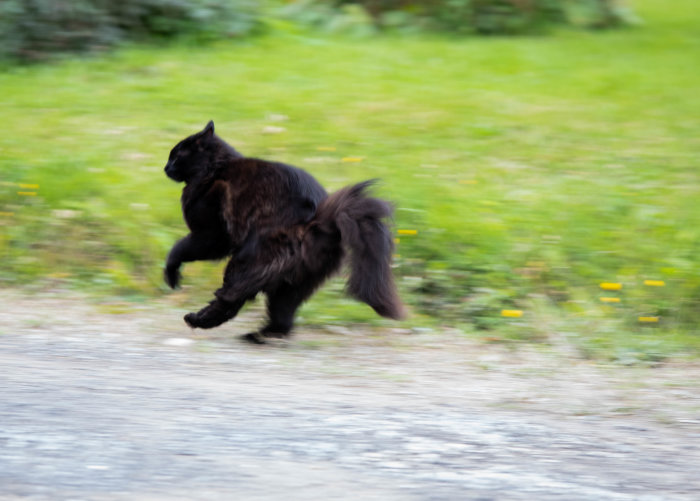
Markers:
<point>649,319</point>
<point>512,313</point>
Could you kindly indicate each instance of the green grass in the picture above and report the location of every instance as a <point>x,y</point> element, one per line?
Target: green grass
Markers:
<point>533,169</point>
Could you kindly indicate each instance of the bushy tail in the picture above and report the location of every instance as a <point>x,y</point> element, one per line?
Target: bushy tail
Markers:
<point>359,219</point>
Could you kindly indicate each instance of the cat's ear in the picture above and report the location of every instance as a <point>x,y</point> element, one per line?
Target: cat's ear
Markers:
<point>209,129</point>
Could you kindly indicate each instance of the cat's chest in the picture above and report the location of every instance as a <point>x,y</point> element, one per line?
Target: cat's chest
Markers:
<point>201,212</point>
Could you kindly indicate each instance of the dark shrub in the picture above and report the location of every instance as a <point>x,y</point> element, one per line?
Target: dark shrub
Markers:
<point>33,29</point>
<point>465,16</point>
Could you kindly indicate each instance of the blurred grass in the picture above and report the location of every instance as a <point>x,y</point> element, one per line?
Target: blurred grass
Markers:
<point>532,169</point>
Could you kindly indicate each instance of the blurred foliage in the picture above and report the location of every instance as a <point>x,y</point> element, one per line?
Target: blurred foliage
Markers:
<point>458,16</point>
<point>33,29</point>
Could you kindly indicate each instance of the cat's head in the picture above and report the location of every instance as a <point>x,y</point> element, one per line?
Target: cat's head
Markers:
<point>197,154</point>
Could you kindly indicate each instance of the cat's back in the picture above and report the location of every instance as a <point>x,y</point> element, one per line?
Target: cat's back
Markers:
<point>255,174</point>
<point>278,193</point>
<point>303,183</point>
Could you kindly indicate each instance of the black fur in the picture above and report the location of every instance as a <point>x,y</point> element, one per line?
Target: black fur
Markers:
<point>284,234</point>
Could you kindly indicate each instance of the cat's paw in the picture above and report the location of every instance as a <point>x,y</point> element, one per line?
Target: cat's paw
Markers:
<point>192,319</point>
<point>203,320</point>
<point>172,277</point>
<point>253,338</point>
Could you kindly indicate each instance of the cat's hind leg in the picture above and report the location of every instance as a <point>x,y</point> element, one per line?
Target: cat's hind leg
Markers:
<point>282,304</point>
<point>242,281</point>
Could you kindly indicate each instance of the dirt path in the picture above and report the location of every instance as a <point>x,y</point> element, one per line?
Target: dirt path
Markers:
<point>95,405</point>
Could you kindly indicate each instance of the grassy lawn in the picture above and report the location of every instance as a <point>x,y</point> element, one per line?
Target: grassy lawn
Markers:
<point>530,169</point>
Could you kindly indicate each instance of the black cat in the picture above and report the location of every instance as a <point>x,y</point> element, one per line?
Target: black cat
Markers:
<point>284,234</point>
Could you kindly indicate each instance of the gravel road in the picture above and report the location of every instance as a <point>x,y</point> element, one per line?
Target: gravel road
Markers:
<point>96,405</point>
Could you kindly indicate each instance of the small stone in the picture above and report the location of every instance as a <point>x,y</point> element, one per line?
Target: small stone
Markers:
<point>178,341</point>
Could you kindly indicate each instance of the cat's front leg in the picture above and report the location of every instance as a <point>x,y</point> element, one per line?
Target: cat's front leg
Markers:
<point>181,251</point>
<point>194,247</point>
